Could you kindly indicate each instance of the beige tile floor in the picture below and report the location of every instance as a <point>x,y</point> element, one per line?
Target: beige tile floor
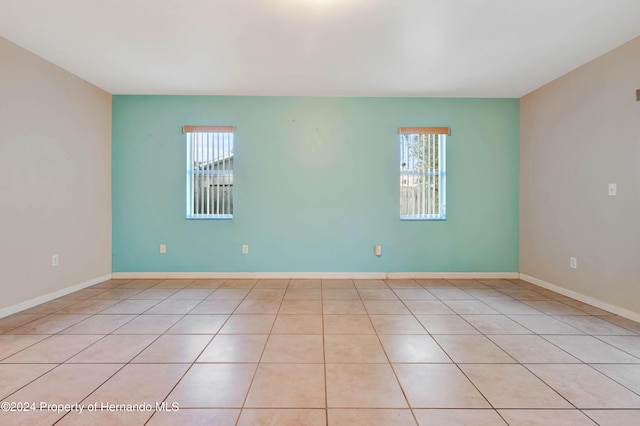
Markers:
<point>320,352</point>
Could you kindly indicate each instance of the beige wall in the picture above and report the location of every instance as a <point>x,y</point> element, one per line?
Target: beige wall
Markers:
<point>55,184</point>
<point>578,134</point>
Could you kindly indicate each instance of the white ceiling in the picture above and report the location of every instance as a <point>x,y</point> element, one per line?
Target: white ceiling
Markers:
<point>474,48</point>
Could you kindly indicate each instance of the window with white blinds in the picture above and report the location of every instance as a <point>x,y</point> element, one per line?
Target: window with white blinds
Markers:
<point>423,173</point>
<point>209,172</point>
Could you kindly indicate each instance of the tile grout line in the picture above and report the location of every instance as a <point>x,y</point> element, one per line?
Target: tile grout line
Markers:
<point>384,350</point>
<point>255,373</point>
<point>324,356</point>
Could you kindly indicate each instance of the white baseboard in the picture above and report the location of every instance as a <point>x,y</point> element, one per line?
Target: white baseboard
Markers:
<point>9,310</point>
<point>453,275</point>
<point>634,316</point>
<point>247,275</point>
<point>314,275</point>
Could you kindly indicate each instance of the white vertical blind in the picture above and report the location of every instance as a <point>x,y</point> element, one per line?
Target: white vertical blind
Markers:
<point>209,172</point>
<point>422,173</point>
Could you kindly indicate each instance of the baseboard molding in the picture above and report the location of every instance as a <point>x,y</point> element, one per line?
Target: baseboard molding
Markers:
<point>315,275</point>
<point>634,316</point>
<point>246,275</point>
<point>9,310</point>
<point>454,275</point>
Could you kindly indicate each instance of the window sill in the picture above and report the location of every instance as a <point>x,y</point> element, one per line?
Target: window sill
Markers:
<point>435,218</point>
<point>210,217</point>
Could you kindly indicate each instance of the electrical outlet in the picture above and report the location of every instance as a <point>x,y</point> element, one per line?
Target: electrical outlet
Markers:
<point>163,248</point>
<point>573,263</point>
<point>245,249</point>
<point>613,189</point>
<point>377,250</point>
<point>55,260</point>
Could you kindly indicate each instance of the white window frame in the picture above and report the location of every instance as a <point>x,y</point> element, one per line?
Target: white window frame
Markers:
<point>214,145</point>
<point>428,199</point>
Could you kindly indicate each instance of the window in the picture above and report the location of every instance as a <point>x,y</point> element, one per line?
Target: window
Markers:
<point>423,173</point>
<point>209,172</point>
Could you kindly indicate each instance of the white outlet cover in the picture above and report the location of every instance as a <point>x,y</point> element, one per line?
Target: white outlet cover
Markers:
<point>613,189</point>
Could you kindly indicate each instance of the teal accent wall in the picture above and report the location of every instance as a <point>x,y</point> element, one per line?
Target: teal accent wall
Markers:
<point>316,186</point>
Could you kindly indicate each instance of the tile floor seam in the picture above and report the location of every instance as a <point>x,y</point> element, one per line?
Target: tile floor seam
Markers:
<point>90,392</point>
<point>192,364</point>
<point>428,333</point>
<point>255,372</point>
<point>173,387</point>
<point>552,387</point>
<point>611,378</point>
<point>547,337</point>
<point>27,347</point>
<point>31,381</point>
<point>614,346</point>
<point>324,356</point>
<point>395,374</point>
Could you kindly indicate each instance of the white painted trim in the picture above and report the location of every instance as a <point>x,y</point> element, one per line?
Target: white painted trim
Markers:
<point>9,310</point>
<point>453,275</point>
<point>315,275</point>
<point>634,316</point>
<point>248,275</point>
